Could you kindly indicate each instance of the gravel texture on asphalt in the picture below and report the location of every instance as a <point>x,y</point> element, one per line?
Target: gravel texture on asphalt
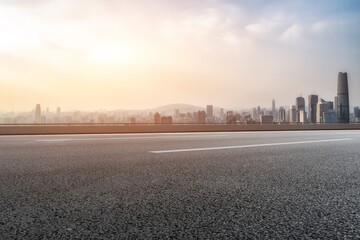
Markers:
<point>116,189</point>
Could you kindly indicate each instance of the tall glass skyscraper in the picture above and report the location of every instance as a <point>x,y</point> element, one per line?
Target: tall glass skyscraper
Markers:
<point>343,107</point>
<point>273,109</point>
<point>313,100</point>
<point>300,105</point>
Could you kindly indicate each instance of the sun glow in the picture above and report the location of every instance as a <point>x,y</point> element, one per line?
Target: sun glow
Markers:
<point>148,53</point>
<point>112,55</point>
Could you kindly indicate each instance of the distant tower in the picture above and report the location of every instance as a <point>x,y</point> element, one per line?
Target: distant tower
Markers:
<point>201,117</point>
<point>313,100</point>
<point>292,114</point>
<point>222,115</point>
<point>273,109</point>
<point>282,114</point>
<point>209,111</point>
<point>300,105</point>
<point>343,108</point>
<point>38,113</point>
<point>157,118</point>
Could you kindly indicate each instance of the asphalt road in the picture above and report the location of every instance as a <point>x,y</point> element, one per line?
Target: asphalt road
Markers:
<point>257,185</point>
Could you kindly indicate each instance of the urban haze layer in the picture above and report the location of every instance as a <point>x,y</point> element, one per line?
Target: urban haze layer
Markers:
<point>317,110</point>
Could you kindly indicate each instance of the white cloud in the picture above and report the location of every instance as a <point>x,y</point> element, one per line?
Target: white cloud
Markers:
<point>298,31</point>
<point>293,32</point>
<point>233,39</point>
<point>318,26</point>
<point>262,27</point>
<point>205,26</point>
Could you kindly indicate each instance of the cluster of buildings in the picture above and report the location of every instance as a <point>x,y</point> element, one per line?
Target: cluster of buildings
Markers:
<point>317,110</point>
<point>200,117</point>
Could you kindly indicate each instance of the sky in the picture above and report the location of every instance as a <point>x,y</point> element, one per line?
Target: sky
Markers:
<point>108,54</point>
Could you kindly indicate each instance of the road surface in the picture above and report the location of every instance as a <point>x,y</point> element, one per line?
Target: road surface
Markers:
<point>187,185</point>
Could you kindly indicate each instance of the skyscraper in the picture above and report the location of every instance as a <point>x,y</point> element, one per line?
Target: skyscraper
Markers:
<point>209,111</point>
<point>282,116</point>
<point>292,114</point>
<point>201,117</point>
<point>302,116</point>
<point>177,113</point>
<point>157,119</point>
<point>222,115</point>
<point>273,109</point>
<point>38,113</point>
<point>322,107</point>
<point>313,100</point>
<point>343,108</point>
<point>300,105</point>
<point>325,112</point>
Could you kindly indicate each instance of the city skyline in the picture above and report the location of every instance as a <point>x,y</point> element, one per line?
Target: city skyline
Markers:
<point>318,111</point>
<point>139,55</point>
<point>271,106</point>
<point>300,104</point>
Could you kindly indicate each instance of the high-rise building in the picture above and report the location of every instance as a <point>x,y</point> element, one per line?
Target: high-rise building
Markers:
<point>157,119</point>
<point>343,108</point>
<point>38,113</point>
<point>322,107</point>
<point>292,114</point>
<point>177,114</point>
<point>195,117</point>
<point>282,114</point>
<point>222,115</point>
<point>273,109</point>
<point>302,116</point>
<point>209,111</point>
<point>300,105</point>
<point>325,112</point>
<point>201,116</point>
<point>312,101</point>
<point>254,114</point>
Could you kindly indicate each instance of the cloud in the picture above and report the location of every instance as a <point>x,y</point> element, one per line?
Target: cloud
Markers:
<point>298,31</point>
<point>235,40</point>
<point>202,25</point>
<point>318,27</point>
<point>293,32</point>
<point>264,26</point>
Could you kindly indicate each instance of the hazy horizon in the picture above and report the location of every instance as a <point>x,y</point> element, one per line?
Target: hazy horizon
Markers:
<point>144,54</point>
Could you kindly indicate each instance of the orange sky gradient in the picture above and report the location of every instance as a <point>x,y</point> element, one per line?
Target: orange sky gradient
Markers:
<point>142,54</point>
